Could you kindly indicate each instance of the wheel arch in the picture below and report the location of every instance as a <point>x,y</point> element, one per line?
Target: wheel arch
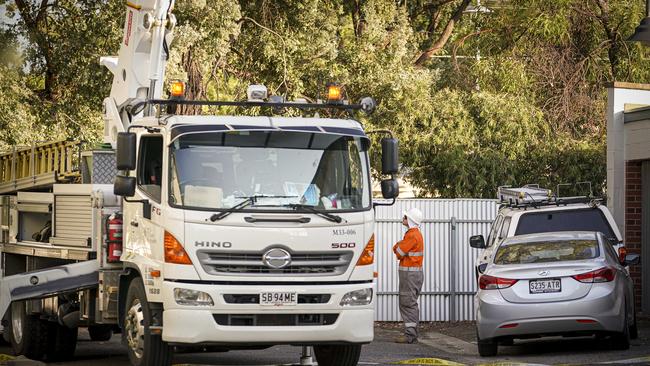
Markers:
<point>130,272</point>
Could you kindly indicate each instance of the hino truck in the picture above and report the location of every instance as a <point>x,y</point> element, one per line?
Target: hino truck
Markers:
<point>187,231</point>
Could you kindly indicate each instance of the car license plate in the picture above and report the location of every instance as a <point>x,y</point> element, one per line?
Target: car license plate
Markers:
<point>545,286</point>
<point>278,298</point>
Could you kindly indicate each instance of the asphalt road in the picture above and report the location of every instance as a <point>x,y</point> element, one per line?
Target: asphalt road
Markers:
<point>443,344</point>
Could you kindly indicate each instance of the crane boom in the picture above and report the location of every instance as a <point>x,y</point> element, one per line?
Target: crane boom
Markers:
<point>139,69</point>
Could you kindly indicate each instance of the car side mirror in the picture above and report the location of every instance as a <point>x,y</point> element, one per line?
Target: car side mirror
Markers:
<point>389,188</point>
<point>389,156</point>
<point>477,241</point>
<point>126,151</point>
<point>632,259</point>
<point>124,186</point>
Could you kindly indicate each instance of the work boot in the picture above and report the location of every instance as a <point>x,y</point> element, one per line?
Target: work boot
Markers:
<point>406,340</point>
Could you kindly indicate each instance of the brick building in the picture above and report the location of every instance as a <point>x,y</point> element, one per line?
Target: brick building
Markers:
<point>628,176</point>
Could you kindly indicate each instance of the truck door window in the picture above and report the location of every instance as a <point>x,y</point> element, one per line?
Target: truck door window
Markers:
<point>150,166</point>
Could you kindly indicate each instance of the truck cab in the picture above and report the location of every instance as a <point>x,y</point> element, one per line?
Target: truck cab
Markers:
<point>267,225</point>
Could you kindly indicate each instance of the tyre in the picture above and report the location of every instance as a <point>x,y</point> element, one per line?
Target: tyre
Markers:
<point>634,329</point>
<point>486,347</point>
<point>62,342</point>
<point>621,341</point>
<point>338,355</point>
<point>144,348</point>
<point>28,333</point>
<point>100,332</point>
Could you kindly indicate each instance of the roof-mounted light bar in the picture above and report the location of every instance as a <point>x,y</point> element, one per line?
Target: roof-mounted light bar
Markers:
<point>366,105</point>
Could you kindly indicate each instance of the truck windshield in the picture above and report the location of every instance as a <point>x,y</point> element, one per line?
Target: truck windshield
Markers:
<point>275,170</point>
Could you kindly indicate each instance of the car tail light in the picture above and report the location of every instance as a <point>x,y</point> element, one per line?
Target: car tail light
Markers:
<point>606,274</point>
<point>622,253</point>
<point>486,282</point>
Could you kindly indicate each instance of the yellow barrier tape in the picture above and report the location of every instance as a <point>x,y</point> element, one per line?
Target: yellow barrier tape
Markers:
<point>429,361</point>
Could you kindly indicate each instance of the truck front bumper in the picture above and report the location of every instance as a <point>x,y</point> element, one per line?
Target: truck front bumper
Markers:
<point>184,324</point>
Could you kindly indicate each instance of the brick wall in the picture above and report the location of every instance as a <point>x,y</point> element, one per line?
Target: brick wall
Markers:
<point>632,235</point>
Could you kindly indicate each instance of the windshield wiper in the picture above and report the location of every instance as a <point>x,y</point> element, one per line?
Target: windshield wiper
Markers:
<point>250,200</point>
<point>312,209</point>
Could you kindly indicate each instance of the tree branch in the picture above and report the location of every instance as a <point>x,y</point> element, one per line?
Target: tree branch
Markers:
<point>444,36</point>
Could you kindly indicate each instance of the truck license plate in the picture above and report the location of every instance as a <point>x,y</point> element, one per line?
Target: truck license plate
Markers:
<point>545,286</point>
<point>278,298</point>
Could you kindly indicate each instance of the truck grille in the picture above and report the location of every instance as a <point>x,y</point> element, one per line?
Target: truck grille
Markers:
<point>261,320</point>
<point>247,263</point>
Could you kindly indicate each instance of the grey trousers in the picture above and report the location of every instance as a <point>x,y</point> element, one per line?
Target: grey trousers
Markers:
<point>410,285</point>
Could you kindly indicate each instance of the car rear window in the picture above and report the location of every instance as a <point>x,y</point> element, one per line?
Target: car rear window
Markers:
<point>571,220</point>
<point>547,251</point>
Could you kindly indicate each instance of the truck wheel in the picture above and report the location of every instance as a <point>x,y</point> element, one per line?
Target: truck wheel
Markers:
<point>338,355</point>
<point>100,332</point>
<point>28,333</point>
<point>62,342</point>
<point>144,348</point>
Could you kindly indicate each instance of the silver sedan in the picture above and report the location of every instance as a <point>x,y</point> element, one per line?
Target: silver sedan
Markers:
<point>562,283</point>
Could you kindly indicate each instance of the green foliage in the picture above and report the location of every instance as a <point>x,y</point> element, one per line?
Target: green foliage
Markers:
<point>530,109</point>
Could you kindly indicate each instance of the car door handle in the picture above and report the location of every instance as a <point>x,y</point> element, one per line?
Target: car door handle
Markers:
<point>134,223</point>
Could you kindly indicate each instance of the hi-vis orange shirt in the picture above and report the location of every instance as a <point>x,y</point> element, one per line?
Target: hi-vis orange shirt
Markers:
<point>410,250</point>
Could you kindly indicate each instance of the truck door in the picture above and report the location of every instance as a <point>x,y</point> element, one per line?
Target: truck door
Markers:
<point>144,236</point>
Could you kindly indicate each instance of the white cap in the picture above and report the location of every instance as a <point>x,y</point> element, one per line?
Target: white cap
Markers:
<point>414,214</point>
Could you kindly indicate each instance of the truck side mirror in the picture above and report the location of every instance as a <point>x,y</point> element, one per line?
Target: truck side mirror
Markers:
<point>477,241</point>
<point>389,188</point>
<point>125,156</point>
<point>124,186</point>
<point>389,156</point>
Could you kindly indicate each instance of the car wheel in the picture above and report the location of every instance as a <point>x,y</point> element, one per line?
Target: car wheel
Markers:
<point>634,329</point>
<point>143,348</point>
<point>338,355</point>
<point>487,347</point>
<point>621,341</point>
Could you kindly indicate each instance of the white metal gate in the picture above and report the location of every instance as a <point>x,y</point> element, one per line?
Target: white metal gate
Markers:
<point>449,280</point>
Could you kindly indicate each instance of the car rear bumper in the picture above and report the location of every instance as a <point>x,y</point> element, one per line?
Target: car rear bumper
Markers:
<point>600,311</point>
<point>200,324</point>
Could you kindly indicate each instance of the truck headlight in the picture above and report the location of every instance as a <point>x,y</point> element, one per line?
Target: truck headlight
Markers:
<point>192,297</point>
<point>357,297</point>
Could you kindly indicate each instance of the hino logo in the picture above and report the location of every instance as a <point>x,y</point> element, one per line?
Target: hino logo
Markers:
<point>212,244</point>
<point>276,258</point>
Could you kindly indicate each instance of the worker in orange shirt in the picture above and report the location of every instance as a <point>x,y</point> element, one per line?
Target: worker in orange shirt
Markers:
<point>410,253</point>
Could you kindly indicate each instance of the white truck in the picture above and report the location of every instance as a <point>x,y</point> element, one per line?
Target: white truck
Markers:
<point>228,232</point>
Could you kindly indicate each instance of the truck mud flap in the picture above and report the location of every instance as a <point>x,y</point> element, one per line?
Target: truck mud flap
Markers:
<point>48,282</point>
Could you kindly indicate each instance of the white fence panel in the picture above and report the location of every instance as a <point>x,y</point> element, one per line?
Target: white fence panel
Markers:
<point>449,279</point>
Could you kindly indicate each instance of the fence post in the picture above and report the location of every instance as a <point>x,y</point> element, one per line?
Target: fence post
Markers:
<point>452,269</point>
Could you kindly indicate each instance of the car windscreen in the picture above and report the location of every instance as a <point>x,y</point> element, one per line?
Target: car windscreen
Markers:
<point>547,251</point>
<point>589,219</point>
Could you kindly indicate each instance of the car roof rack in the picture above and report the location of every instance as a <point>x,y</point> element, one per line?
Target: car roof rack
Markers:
<point>533,196</point>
